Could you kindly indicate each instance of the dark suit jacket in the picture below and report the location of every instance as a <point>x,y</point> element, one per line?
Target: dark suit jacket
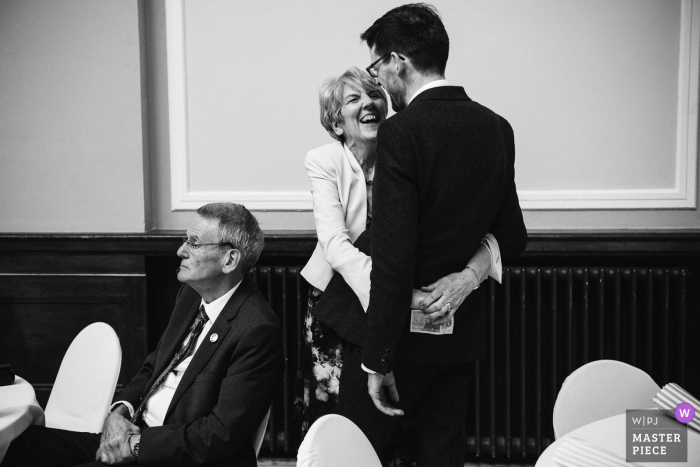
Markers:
<point>444,178</point>
<point>225,391</point>
<point>340,308</point>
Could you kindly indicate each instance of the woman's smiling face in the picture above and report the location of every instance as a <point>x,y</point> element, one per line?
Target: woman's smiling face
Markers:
<point>361,114</point>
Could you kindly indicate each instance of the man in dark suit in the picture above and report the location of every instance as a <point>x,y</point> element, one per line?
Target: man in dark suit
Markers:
<point>200,396</point>
<point>444,178</point>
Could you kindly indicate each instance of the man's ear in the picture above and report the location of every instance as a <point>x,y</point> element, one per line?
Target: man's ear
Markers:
<point>399,63</point>
<point>231,261</point>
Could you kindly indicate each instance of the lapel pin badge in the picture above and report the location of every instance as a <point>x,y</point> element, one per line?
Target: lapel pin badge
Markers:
<point>213,337</point>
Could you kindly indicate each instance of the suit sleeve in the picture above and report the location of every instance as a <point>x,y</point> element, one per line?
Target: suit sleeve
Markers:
<point>508,226</point>
<point>394,235</point>
<point>244,398</point>
<point>331,229</point>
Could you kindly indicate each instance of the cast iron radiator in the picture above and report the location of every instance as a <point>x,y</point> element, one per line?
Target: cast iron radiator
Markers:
<point>543,323</point>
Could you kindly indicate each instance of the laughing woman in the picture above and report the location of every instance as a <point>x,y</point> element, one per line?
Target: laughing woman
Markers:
<point>341,174</point>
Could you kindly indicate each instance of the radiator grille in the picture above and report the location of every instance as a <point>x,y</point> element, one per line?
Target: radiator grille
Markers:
<point>543,323</point>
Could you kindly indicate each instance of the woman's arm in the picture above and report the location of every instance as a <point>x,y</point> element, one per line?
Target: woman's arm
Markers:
<point>331,229</point>
<point>447,294</point>
<point>355,266</point>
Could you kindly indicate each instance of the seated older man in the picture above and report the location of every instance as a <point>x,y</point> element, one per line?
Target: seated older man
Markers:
<point>200,396</point>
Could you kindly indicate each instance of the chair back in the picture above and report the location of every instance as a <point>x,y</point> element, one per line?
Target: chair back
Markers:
<point>335,441</point>
<point>260,433</point>
<point>86,380</point>
<point>599,390</point>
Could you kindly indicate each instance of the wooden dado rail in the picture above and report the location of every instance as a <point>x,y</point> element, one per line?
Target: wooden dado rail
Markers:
<point>615,294</point>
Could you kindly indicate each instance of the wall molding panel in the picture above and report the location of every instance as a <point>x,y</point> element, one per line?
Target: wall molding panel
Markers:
<point>680,196</point>
<point>683,195</point>
<point>184,199</point>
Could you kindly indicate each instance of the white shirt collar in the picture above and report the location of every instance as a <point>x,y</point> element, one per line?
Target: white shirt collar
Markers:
<point>214,308</point>
<point>433,84</point>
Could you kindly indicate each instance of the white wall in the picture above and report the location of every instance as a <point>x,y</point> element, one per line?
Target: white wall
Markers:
<point>590,86</point>
<point>70,117</point>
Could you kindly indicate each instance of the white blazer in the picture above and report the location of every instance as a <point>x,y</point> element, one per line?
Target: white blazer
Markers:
<point>339,194</point>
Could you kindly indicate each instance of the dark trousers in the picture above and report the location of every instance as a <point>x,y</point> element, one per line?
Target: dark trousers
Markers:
<point>39,446</point>
<point>433,395</point>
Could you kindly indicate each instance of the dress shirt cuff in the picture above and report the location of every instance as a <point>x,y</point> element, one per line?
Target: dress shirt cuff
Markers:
<point>491,244</point>
<point>368,370</point>
<point>126,404</point>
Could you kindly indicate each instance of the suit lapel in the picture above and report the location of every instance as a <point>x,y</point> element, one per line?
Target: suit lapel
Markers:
<point>207,348</point>
<point>172,343</point>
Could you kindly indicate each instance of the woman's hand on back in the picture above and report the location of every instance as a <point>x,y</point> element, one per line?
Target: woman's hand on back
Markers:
<point>446,295</point>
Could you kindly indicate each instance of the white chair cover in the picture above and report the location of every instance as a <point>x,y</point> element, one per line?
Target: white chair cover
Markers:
<point>599,390</point>
<point>335,441</point>
<point>18,410</point>
<point>260,433</point>
<point>85,383</point>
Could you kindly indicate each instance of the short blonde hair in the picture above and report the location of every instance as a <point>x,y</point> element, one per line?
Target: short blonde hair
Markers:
<point>330,96</point>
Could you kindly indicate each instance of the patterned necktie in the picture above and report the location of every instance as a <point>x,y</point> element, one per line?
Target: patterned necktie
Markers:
<point>182,354</point>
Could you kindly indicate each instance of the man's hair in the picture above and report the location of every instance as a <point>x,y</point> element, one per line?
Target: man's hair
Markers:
<point>238,227</point>
<point>414,30</point>
<point>330,96</point>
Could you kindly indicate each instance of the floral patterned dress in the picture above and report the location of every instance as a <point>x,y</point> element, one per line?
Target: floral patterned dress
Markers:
<point>321,359</point>
<point>319,370</point>
<point>318,382</point>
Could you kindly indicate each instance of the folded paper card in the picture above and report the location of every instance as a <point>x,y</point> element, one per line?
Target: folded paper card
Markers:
<point>575,452</point>
<point>671,396</point>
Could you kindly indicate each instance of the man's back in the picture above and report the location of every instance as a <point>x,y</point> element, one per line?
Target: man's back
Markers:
<point>444,179</point>
<point>462,172</point>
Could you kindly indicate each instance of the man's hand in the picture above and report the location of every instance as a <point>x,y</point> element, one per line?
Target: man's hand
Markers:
<point>446,295</point>
<point>375,386</point>
<point>114,445</point>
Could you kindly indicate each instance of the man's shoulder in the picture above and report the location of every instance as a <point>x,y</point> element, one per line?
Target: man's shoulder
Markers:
<point>253,310</point>
<point>435,111</point>
<point>486,112</point>
<point>256,310</point>
<point>446,105</point>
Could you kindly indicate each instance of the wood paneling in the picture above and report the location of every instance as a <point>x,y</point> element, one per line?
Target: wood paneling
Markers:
<point>51,286</point>
<point>300,244</point>
<point>47,299</point>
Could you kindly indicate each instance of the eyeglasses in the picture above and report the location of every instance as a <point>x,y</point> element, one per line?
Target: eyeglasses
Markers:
<point>370,69</point>
<point>192,245</point>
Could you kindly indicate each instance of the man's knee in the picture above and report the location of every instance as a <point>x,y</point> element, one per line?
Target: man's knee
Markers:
<point>20,451</point>
<point>41,446</point>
